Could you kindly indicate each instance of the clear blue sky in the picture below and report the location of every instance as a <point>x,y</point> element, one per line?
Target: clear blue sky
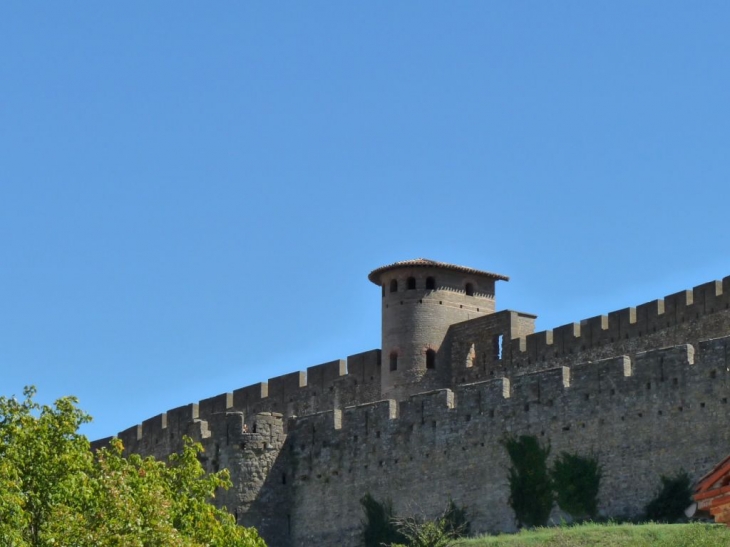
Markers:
<point>192,194</point>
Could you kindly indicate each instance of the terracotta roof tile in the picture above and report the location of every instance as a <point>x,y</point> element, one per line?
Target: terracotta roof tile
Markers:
<point>426,263</point>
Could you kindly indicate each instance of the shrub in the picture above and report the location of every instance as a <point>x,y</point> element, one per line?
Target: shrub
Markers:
<point>531,495</point>
<point>672,499</point>
<point>55,491</point>
<point>576,480</point>
<point>379,526</point>
<point>440,532</point>
<point>456,520</point>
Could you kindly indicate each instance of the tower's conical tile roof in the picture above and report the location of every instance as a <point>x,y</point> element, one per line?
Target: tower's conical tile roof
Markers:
<point>427,263</point>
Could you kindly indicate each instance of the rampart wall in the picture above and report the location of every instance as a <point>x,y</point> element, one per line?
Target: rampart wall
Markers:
<point>416,319</point>
<point>684,317</point>
<point>652,414</point>
<point>496,345</point>
<point>336,384</point>
<point>317,441</point>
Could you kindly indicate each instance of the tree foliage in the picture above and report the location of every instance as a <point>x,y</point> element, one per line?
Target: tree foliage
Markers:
<point>442,531</point>
<point>382,528</point>
<point>55,492</point>
<point>456,520</point>
<point>379,527</point>
<point>674,496</point>
<point>531,494</point>
<point>576,480</point>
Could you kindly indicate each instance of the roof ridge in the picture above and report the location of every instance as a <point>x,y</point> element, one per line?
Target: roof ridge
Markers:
<point>374,276</point>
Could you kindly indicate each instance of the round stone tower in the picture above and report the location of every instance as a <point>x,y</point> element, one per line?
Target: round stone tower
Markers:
<point>421,299</point>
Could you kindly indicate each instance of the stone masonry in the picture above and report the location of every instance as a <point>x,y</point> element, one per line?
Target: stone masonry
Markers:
<point>643,389</point>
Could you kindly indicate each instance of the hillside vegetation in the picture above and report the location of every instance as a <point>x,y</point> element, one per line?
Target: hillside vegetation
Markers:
<point>610,535</point>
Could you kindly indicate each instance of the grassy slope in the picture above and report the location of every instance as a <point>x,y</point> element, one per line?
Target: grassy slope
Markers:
<point>612,535</point>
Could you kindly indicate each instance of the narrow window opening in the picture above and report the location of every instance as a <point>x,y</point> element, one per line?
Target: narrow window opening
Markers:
<point>394,285</point>
<point>393,361</point>
<point>383,291</point>
<point>471,357</point>
<point>430,284</point>
<point>430,358</point>
<point>411,283</point>
<point>283,478</point>
<point>469,289</point>
<point>498,342</point>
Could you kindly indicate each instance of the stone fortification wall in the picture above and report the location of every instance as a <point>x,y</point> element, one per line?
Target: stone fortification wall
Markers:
<point>642,416</point>
<point>259,496</point>
<point>480,349</point>
<point>416,319</point>
<point>599,387</point>
<point>336,384</point>
<point>250,447</point>
<point>684,317</point>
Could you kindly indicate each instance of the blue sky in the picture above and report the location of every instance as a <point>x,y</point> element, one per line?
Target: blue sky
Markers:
<point>192,194</point>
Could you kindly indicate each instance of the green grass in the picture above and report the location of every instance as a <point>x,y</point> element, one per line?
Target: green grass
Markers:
<point>611,535</point>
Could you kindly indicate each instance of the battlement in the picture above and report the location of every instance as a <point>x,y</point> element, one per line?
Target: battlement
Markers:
<point>641,415</point>
<point>645,319</point>
<point>321,387</point>
<point>645,389</point>
<point>582,350</point>
<point>533,392</point>
<point>688,314</point>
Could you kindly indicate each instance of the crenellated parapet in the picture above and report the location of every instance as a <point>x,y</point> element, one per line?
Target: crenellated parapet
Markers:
<point>616,378</point>
<point>638,414</point>
<point>504,344</point>
<point>335,384</point>
<point>496,345</point>
<point>644,389</point>
<point>683,312</point>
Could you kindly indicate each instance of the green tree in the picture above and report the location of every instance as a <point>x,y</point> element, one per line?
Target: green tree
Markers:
<point>531,494</point>
<point>379,526</point>
<point>674,496</point>
<point>55,491</point>
<point>442,531</point>
<point>576,480</point>
<point>429,533</point>
<point>456,519</point>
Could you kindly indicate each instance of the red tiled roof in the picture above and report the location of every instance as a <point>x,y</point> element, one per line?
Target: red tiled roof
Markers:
<point>706,482</point>
<point>426,263</point>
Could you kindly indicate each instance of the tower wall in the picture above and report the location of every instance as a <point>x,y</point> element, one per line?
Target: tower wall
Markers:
<point>415,320</point>
<point>646,390</point>
<point>642,417</point>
